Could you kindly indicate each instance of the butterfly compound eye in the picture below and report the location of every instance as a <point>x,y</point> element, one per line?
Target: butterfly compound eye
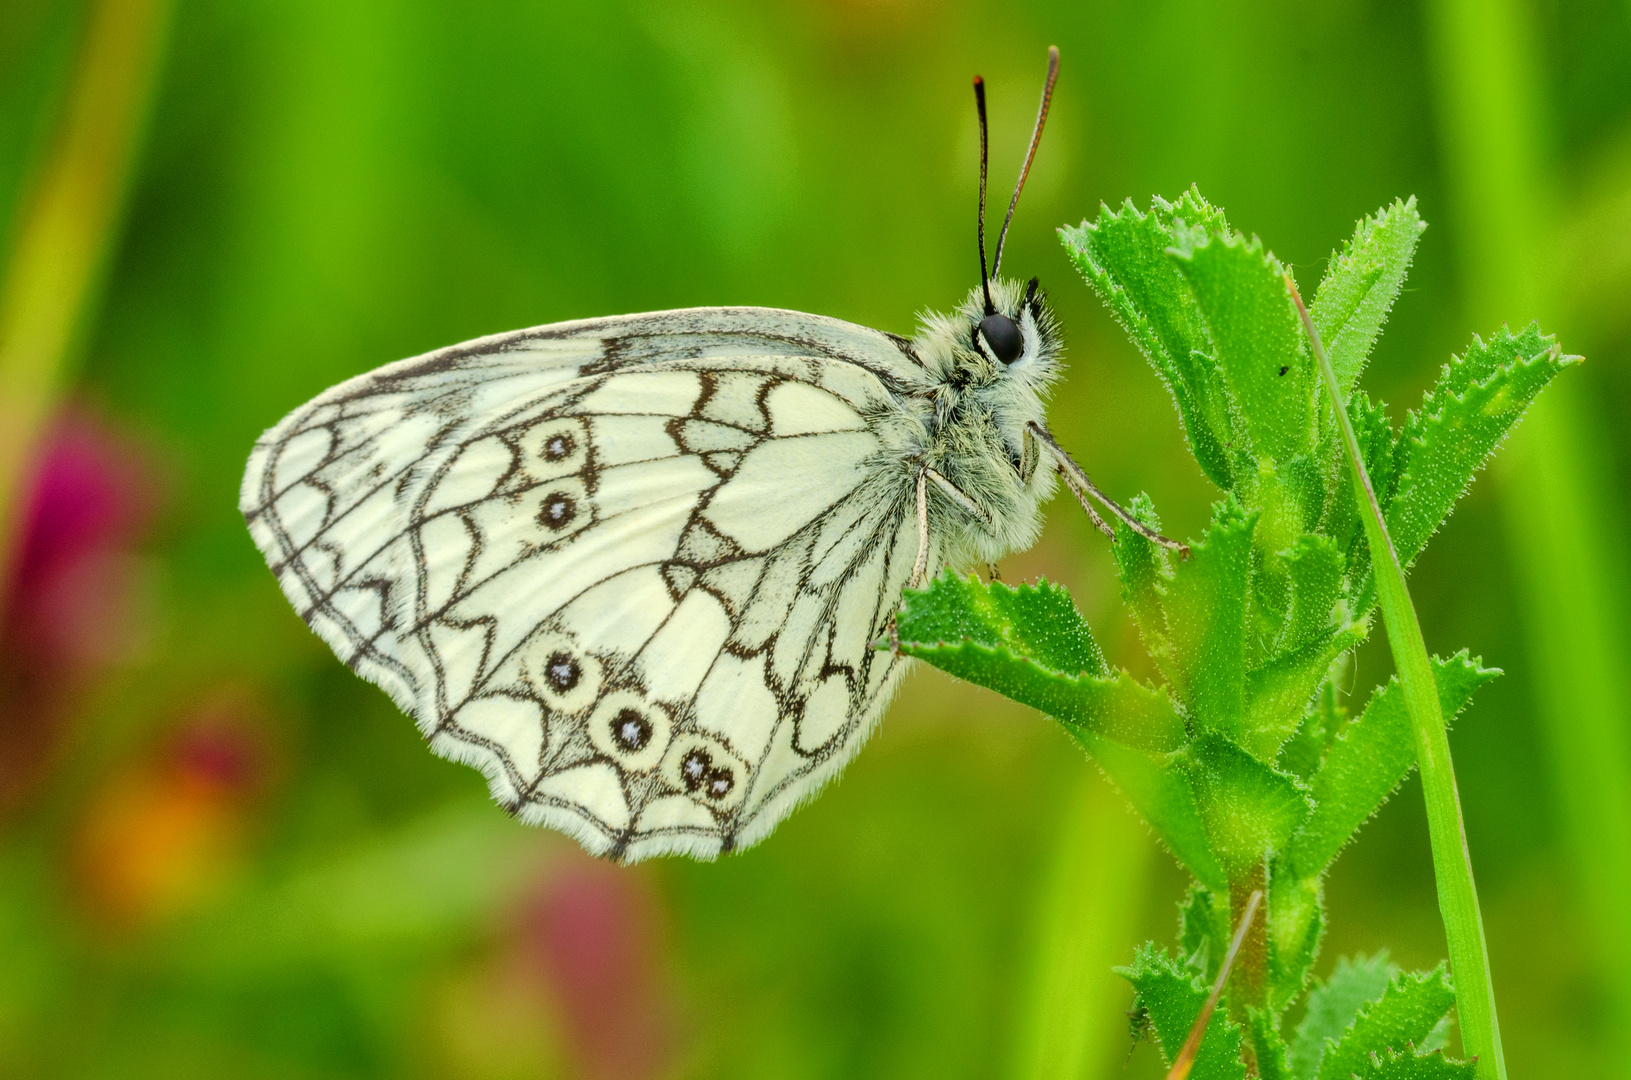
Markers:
<point>1003,336</point>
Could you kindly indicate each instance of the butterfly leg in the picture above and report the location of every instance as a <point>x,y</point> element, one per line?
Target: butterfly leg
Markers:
<point>920,565</point>
<point>1076,479</point>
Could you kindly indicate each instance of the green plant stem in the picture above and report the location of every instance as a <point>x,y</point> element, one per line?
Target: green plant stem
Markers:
<point>1452,863</point>
<point>1252,967</point>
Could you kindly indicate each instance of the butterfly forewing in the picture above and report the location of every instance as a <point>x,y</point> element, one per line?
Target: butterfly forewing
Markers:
<point>630,568</point>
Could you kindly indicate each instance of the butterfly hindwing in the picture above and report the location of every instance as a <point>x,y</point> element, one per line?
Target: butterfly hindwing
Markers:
<point>630,568</point>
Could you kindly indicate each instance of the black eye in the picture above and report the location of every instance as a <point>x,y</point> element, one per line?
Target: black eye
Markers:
<point>1002,334</point>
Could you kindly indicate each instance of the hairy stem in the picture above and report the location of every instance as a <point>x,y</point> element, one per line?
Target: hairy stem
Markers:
<point>1452,864</point>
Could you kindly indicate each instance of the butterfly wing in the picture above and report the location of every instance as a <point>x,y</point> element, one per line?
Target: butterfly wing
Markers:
<point>629,568</point>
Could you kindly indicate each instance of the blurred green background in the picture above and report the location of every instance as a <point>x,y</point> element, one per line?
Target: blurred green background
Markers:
<point>223,855</point>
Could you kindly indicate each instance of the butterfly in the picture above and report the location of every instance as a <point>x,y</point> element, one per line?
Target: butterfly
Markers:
<point>636,569</point>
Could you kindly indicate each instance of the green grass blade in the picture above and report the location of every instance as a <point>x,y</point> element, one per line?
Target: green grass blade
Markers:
<point>1565,520</point>
<point>1369,760</point>
<point>1452,864</point>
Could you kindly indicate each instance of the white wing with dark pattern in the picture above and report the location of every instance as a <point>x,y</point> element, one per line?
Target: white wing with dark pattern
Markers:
<point>630,568</point>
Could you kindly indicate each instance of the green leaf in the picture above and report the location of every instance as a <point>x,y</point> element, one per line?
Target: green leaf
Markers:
<point>1259,338</point>
<point>1009,640</point>
<point>1361,283</point>
<point>1333,1005</point>
<point>1036,621</point>
<point>1143,568</point>
<point>1173,996</point>
<point>1478,398</point>
<point>1370,758</point>
<point>1263,1032</point>
<point>1315,568</point>
<point>1160,789</point>
<point>1203,931</point>
<point>1124,257</point>
<point>1248,808</point>
<point>1278,693</point>
<point>1406,1014</point>
<point>1412,1065</point>
<point>1296,921</point>
<point>1204,605</point>
<point>1304,754</point>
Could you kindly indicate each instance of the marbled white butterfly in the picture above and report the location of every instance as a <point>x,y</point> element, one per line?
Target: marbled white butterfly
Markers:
<point>634,569</point>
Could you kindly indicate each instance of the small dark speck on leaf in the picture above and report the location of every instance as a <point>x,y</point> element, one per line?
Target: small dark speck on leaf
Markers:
<point>1284,369</point>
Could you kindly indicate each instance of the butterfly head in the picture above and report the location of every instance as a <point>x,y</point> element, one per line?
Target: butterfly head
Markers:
<point>1006,337</point>
<point>1000,327</point>
<point>1014,339</point>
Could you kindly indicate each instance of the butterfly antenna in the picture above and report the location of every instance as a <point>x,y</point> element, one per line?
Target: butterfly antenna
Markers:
<point>979,105</point>
<point>1030,155</point>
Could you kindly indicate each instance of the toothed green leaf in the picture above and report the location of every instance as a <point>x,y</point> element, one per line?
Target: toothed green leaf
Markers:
<point>1377,446</point>
<point>1278,693</point>
<point>1142,568</point>
<point>1204,603</point>
<point>1478,399</point>
<point>1296,921</point>
<point>1247,807</point>
<point>1371,757</point>
<point>1037,621</point>
<point>1406,1014</point>
<point>1021,643</point>
<point>1411,1065</point>
<point>1259,338</point>
<point>1263,1032</point>
<point>1173,996</point>
<point>1304,753</point>
<point>1333,1005</point>
<point>1203,932</point>
<point>1361,283</point>
<point>1123,256</point>
<point>1314,566</point>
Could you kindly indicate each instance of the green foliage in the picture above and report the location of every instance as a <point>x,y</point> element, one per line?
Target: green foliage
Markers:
<point>1248,807</point>
<point>1478,398</point>
<point>1124,255</point>
<point>1404,1016</point>
<point>1268,1048</point>
<point>1411,1065</point>
<point>1245,763</point>
<point>1030,644</point>
<point>1333,1005</point>
<point>1266,365</point>
<point>1173,995</point>
<point>1361,283</point>
<point>1369,759</point>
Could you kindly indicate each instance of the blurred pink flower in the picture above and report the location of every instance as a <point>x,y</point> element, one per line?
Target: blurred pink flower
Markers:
<point>68,606</point>
<point>591,934</point>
